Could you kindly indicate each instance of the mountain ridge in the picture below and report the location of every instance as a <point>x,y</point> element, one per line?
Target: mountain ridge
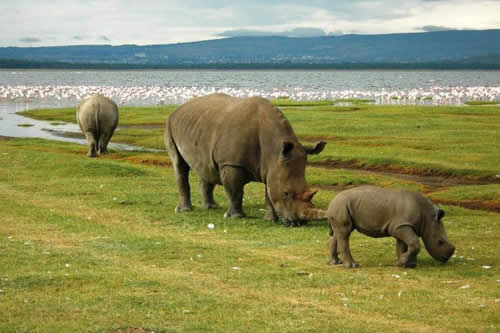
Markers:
<point>455,46</point>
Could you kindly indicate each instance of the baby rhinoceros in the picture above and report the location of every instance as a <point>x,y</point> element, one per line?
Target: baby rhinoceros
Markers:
<point>380,212</point>
<point>97,117</point>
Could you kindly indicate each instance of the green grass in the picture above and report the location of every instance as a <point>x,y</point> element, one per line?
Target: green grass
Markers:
<point>25,125</point>
<point>354,100</point>
<point>282,101</point>
<point>481,102</point>
<point>94,244</point>
<point>444,140</point>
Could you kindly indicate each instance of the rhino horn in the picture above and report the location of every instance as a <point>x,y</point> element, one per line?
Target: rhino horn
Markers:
<point>312,214</point>
<point>309,194</point>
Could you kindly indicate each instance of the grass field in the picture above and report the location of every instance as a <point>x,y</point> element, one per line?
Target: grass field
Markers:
<point>94,245</point>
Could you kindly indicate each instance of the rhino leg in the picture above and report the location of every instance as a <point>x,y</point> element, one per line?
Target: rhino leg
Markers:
<point>181,170</point>
<point>401,248</point>
<point>333,250</point>
<point>182,176</point>
<point>270,212</point>
<point>233,179</point>
<point>103,143</point>
<point>207,194</point>
<point>409,248</point>
<point>92,144</point>
<point>345,251</point>
<point>104,140</point>
<point>342,233</point>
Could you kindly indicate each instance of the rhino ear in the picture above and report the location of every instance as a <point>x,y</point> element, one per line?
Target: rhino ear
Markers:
<point>316,149</point>
<point>440,214</point>
<point>286,149</point>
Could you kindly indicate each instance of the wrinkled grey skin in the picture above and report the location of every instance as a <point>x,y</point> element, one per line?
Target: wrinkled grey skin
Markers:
<point>233,141</point>
<point>97,117</point>
<point>379,212</point>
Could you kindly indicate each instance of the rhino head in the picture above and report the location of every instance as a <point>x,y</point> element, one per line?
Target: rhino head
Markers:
<point>287,189</point>
<point>435,237</point>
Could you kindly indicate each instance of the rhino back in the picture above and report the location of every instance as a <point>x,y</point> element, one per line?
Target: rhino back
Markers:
<point>375,211</point>
<point>218,130</point>
<point>97,111</point>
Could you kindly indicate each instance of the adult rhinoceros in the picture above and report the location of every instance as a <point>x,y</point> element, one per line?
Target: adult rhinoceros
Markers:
<point>97,117</point>
<point>232,141</point>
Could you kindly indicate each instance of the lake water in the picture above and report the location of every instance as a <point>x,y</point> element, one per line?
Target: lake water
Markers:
<point>23,89</point>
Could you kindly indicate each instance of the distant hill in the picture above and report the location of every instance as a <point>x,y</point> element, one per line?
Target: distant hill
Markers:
<point>459,48</point>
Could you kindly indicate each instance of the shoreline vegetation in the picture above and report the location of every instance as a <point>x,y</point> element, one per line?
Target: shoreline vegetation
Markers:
<point>444,65</point>
<point>120,259</point>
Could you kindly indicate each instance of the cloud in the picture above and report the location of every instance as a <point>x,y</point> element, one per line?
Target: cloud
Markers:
<point>173,21</point>
<point>432,28</point>
<point>30,40</point>
<point>296,32</point>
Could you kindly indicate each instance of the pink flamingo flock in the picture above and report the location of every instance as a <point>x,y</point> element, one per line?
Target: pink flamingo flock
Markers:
<point>158,95</point>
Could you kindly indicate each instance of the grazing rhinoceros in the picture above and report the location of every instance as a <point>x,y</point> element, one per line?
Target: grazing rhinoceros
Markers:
<point>379,212</point>
<point>233,141</point>
<point>97,117</point>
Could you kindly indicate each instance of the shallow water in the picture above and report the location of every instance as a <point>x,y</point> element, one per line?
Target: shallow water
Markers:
<point>28,89</point>
<point>176,86</point>
<point>16,125</point>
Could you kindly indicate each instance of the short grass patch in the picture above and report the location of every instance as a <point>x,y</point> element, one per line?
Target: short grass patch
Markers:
<point>444,140</point>
<point>94,245</point>
<point>481,102</point>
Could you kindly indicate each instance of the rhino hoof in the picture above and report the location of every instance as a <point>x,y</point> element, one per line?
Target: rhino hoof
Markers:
<point>271,217</point>
<point>351,265</point>
<point>333,262</point>
<point>180,209</point>
<point>234,215</point>
<point>406,264</point>
<point>211,206</point>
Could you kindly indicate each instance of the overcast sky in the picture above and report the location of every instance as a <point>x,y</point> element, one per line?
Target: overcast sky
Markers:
<point>116,22</point>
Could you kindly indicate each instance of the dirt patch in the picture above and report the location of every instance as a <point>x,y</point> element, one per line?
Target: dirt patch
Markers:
<point>430,178</point>
<point>431,183</point>
<point>142,126</point>
<point>342,109</point>
<point>139,160</point>
<point>132,330</point>
<point>490,206</point>
<point>315,138</point>
<point>337,187</point>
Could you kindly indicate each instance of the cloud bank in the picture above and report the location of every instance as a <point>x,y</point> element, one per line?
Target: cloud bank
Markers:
<point>296,32</point>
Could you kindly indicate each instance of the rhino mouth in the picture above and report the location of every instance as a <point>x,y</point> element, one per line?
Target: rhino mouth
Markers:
<point>291,222</point>
<point>445,258</point>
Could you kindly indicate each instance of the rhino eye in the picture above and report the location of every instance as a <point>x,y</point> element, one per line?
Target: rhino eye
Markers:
<point>287,195</point>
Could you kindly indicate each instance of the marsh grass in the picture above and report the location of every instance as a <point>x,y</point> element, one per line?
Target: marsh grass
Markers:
<point>94,245</point>
<point>445,140</point>
<point>481,102</point>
